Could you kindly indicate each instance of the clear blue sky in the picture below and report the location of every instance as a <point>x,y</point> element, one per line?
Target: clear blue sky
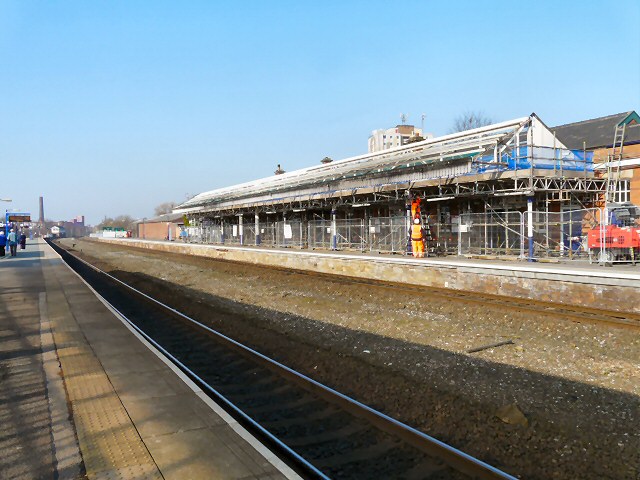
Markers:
<point>114,107</point>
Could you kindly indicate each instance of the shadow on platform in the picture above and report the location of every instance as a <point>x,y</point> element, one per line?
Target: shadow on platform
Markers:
<point>23,258</point>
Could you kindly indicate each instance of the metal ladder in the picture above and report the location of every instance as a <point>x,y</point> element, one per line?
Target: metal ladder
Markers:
<point>613,171</point>
<point>426,227</point>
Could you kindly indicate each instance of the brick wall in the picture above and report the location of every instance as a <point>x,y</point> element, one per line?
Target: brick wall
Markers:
<point>157,231</point>
<point>629,151</point>
<point>635,187</point>
<point>601,154</point>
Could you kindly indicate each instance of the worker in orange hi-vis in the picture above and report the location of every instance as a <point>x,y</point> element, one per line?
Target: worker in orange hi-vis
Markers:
<point>417,238</point>
<point>415,208</point>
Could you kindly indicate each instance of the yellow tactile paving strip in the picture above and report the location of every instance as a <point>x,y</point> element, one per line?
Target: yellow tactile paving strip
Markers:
<point>111,446</point>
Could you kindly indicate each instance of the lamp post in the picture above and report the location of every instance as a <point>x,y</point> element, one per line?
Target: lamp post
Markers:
<point>144,228</point>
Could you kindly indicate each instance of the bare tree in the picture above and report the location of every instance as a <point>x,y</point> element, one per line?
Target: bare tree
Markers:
<point>166,207</point>
<point>121,221</point>
<point>470,120</point>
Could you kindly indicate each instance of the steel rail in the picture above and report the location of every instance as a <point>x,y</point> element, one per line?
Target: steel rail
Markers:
<point>300,461</point>
<point>453,457</point>
<point>571,312</point>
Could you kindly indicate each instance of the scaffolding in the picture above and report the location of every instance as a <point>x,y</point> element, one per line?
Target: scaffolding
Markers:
<point>516,154</point>
<point>480,189</point>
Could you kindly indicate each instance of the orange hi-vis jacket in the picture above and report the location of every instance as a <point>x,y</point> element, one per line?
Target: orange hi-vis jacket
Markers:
<point>416,232</point>
<point>415,208</point>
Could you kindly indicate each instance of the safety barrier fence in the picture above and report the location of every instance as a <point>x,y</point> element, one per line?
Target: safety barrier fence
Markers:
<point>569,234</point>
<point>387,234</point>
<point>491,233</point>
<point>320,234</point>
<point>565,233</point>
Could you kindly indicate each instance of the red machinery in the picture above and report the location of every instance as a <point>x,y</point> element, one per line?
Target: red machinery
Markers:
<point>615,242</point>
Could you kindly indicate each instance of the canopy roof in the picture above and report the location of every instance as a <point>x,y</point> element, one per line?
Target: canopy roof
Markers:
<point>428,154</point>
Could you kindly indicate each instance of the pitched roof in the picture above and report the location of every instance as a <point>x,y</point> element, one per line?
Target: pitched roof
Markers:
<point>371,170</point>
<point>597,132</point>
<point>167,217</point>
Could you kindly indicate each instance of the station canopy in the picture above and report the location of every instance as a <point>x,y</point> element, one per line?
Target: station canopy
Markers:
<point>507,145</point>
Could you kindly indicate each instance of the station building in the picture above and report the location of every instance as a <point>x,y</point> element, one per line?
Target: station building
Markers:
<point>162,227</point>
<point>597,135</point>
<point>483,191</point>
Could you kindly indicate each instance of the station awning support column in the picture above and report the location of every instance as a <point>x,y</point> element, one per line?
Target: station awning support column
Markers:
<point>530,227</point>
<point>257,227</point>
<point>334,230</point>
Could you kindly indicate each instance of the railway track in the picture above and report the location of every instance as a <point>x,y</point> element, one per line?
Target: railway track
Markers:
<point>549,309</point>
<point>536,307</point>
<point>320,432</point>
<point>557,310</point>
<point>568,312</point>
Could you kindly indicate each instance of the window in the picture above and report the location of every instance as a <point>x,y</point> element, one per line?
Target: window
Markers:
<point>623,191</point>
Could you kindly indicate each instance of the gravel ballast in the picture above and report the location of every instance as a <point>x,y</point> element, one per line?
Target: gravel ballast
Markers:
<point>557,399</point>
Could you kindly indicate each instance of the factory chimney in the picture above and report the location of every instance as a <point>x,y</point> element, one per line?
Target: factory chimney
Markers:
<point>42,228</point>
<point>41,216</point>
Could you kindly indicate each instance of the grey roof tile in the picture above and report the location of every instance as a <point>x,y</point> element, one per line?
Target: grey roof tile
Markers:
<point>596,132</point>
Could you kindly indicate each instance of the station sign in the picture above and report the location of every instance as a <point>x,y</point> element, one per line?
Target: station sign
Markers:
<point>18,217</point>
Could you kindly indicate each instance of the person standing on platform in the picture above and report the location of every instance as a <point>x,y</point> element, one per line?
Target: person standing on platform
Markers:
<point>3,242</point>
<point>23,241</point>
<point>13,242</point>
<point>417,238</point>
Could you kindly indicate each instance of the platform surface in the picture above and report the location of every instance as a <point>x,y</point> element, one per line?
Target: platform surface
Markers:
<point>82,396</point>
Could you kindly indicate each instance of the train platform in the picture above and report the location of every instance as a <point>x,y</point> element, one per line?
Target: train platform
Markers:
<point>576,282</point>
<point>82,395</point>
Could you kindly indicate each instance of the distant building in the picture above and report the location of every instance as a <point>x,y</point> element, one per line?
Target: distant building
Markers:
<point>395,137</point>
<point>163,227</point>
<point>75,227</point>
<point>58,231</point>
